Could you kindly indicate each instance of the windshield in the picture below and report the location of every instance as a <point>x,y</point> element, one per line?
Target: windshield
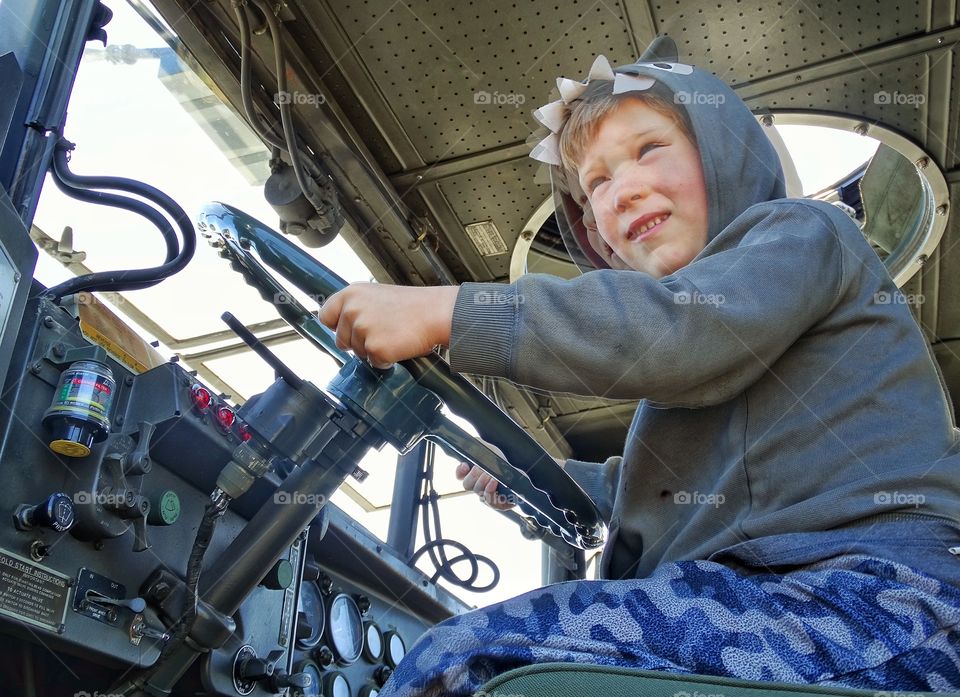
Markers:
<point>139,110</point>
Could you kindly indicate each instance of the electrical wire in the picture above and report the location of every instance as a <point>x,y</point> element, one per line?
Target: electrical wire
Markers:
<point>435,541</point>
<point>212,513</point>
<point>286,116</point>
<point>245,87</point>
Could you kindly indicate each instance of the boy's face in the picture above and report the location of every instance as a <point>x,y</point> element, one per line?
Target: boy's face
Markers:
<point>644,182</point>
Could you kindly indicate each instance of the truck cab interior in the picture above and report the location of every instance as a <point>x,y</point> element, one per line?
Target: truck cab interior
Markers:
<point>202,494</point>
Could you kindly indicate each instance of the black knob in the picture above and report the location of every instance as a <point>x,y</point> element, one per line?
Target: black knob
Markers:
<point>56,512</point>
<point>382,674</point>
<point>363,604</point>
<point>256,669</point>
<point>283,679</point>
<point>311,571</point>
<point>323,656</point>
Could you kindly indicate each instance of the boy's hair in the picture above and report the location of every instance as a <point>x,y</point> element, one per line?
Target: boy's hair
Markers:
<point>596,104</point>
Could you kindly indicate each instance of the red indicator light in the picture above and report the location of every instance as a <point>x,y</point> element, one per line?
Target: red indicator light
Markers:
<point>245,434</point>
<point>225,416</point>
<point>201,397</point>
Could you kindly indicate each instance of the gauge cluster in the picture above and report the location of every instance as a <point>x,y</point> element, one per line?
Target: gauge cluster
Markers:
<point>348,640</point>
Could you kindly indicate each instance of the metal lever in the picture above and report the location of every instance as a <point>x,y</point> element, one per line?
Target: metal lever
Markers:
<point>254,343</point>
<point>129,505</point>
<point>138,462</point>
<point>135,605</point>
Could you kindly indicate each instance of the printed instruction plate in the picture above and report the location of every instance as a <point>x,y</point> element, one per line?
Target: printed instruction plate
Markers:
<point>32,593</point>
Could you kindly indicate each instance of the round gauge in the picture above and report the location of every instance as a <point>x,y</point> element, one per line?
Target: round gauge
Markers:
<point>395,648</point>
<point>310,616</point>
<point>313,689</point>
<point>336,685</point>
<point>345,629</point>
<point>373,642</point>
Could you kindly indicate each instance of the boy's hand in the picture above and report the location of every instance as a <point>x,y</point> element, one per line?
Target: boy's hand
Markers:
<point>385,324</point>
<point>476,480</point>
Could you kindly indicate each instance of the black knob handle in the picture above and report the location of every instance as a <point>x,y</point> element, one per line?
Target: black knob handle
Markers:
<point>283,679</point>
<point>55,512</point>
<point>256,669</point>
<point>382,674</point>
<point>323,656</point>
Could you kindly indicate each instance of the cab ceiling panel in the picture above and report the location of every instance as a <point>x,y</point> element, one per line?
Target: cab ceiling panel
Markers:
<point>505,195</point>
<point>740,41</point>
<point>463,77</point>
<point>855,94</point>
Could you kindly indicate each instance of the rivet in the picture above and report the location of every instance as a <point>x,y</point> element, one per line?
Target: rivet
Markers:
<point>860,129</point>
<point>767,120</point>
<point>922,259</point>
<point>922,163</point>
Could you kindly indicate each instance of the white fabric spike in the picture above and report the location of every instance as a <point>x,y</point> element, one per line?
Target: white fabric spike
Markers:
<point>570,90</point>
<point>600,70</point>
<point>631,83</point>
<point>547,150</point>
<point>553,115</point>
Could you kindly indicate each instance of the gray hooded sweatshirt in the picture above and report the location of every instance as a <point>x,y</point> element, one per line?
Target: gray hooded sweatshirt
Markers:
<point>792,410</point>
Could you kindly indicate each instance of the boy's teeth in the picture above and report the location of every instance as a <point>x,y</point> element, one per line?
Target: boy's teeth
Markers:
<point>652,223</point>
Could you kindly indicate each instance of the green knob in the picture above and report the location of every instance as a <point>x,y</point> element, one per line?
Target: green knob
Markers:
<point>164,509</point>
<point>280,577</point>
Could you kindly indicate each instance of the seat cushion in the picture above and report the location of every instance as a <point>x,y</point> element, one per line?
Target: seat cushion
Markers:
<point>576,680</point>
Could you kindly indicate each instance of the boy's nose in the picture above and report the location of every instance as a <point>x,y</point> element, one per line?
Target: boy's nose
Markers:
<point>628,194</point>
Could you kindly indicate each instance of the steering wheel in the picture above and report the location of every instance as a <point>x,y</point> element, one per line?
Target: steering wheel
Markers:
<point>549,495</point>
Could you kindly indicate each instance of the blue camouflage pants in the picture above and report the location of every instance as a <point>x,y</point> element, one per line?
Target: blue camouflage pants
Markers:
<point>850,621</point>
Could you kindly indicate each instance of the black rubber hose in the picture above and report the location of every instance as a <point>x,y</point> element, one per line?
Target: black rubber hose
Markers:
<point>112,280</point>
<point>79,187</point>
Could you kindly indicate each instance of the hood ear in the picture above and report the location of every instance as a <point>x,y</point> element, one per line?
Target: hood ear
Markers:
<point>662,48</point>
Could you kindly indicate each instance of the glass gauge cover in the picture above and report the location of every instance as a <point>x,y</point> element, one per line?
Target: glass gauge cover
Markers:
<point>345,629</point>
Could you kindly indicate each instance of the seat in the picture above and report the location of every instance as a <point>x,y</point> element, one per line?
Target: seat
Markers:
<point>577,680</point>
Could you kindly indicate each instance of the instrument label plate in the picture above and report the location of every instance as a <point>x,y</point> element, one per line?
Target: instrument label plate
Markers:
<point>32,593</point>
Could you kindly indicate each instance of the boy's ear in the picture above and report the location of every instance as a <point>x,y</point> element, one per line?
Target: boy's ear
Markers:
<point>662,48</point>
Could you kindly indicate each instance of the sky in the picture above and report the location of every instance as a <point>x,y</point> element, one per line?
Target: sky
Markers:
<point>125,123</point>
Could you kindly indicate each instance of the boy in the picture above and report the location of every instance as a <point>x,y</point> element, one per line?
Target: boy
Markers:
<point>787,498</point>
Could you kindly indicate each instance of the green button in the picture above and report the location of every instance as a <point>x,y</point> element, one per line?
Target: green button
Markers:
<point>280,577</point>
<point>164,509</point>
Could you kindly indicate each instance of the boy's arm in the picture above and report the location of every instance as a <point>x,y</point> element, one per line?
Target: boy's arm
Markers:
<point>385,324</point>
<point>697,337</point>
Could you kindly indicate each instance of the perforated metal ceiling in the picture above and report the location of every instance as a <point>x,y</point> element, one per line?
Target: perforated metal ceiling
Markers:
<point>748,39</point>
<point>463,77</point>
